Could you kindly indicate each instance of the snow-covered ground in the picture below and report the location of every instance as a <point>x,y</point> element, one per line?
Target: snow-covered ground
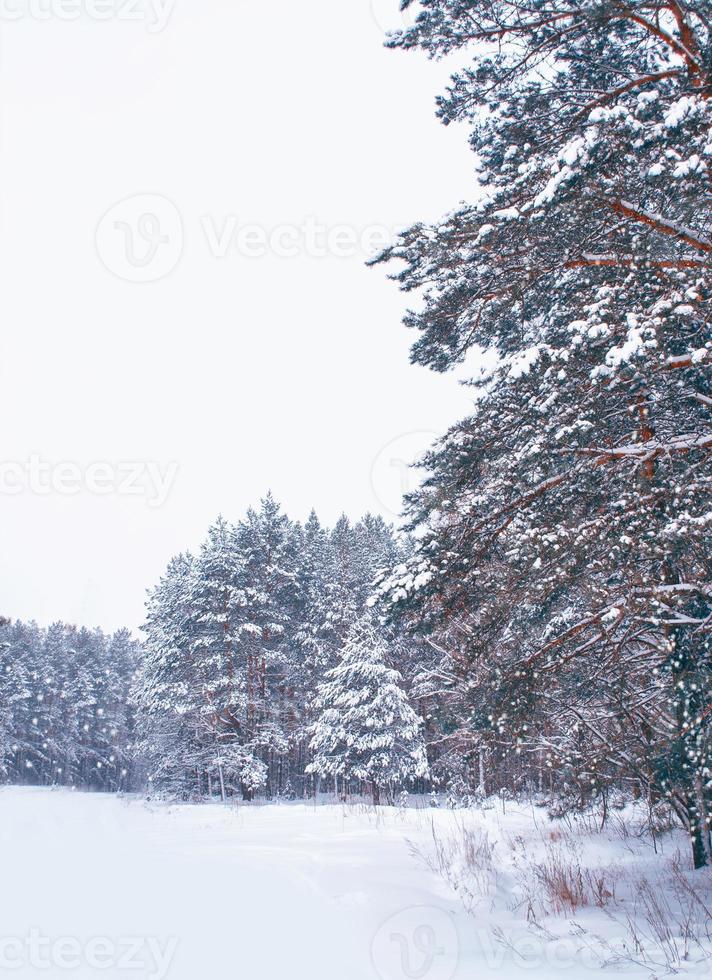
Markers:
<point>95,886</point>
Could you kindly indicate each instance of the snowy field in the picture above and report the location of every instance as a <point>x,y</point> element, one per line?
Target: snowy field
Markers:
<point>96,886</point>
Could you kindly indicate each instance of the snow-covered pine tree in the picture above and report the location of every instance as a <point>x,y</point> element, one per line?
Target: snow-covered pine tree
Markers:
<point>336,569</point>
<point>367,729</point>
<point>57,710</point>
<point>216,656</point>
<point>564,568</point>
<point>191,693</point>
<point>313,547</point>
<point>170,732</point>
<point>313,637</point>
<point>122,660</point>
<point>15,694</point>
<point>268,542</point>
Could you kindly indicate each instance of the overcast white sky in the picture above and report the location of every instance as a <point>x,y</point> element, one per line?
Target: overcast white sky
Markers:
<point>233,374</point>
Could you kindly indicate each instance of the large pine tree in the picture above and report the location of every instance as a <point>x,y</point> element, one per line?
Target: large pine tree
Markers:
<point>564,568</point>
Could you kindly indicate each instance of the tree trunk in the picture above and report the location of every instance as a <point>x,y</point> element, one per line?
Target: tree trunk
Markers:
<point>700,845</point>
<point>222,780</point>
<point>376,793</point>
<point>700,828</point>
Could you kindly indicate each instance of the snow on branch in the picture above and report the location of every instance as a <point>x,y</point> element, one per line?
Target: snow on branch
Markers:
<point>661,224</point>
<point>645,451</point>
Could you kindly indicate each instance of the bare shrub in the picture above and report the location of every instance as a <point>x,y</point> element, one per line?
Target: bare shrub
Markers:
<point>697,893</point>
<point>661,819</point>
<point>647,827</point>
<point>601,885</point>
<point>562,882</point>
<point>465,859</point>
<point>668,924</point>
<point>663,917</point>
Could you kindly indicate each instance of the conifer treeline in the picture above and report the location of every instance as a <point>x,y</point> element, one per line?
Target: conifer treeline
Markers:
<point>243,687</point>
<point>263,672</point>
<point>65,717</point>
